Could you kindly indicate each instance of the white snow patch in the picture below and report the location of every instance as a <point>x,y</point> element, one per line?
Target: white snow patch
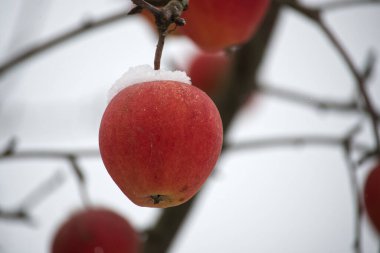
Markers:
<point>145,73</point>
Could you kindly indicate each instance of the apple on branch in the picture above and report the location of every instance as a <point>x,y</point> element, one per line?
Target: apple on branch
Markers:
<point>159,137</point>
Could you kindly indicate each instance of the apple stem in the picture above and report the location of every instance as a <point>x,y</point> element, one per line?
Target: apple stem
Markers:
<point>165,16</point>
<point>159,49</point>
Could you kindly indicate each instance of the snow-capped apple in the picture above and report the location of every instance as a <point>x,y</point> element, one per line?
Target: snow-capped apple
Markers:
<point>159,137</point>
<point>95,230</point>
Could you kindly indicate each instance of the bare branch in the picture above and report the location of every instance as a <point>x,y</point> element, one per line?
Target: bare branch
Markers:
<point>42,191</point>
<point>72,157</point>
<point>371,154</point>
<point>345,4</point>
<point>355,192</point>
<point>10,148</point>
<point>17,215</point>
<point>41,47</point>
<point>34,198</point>
<point>360,78</point>
<point>73,160</point>
<point>369,66</point>
<point>316,140</point>
<point>304,99</point>
<point>44,154</point>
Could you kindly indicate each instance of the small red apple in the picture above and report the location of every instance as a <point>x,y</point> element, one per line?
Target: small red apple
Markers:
<point>159,141</point>
<point>372,197</point>
<point>217,24</point>
<point>208,71</point>
<point>95,230</point>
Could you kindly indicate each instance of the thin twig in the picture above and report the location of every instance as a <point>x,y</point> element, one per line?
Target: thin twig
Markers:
<point>72,157</point>
<point>42,191</point>
<point>360,81</point>
<point>41,47</point>
<point>367,156</point>
<point>45,154</point>
<point>316,140</point>
<point>360,78</point>
<point>358,206</point>
<point>304,99</point>
<point>345,4</point>
<point>16,215</point>
<point>83,192</point>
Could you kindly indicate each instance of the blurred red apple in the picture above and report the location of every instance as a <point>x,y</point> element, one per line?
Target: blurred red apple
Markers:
<point>372,197</point>
<point>159,141</point>
<point>208,71</point>
<point>95,230</point>
<point>218,24</point>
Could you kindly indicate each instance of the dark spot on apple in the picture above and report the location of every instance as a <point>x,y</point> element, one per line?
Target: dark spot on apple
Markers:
<point>181,199</point>
<point>184,188</point>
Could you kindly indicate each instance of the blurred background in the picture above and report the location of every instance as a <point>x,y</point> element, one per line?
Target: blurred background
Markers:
<point>294,198</point>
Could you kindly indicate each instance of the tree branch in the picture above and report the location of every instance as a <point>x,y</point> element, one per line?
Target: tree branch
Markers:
<point>304,99</point>
<point>43,154</point>
<point>275,142</point>
<point>360,78</point>
<point>41,47</point>
<point>72,158</point>
<point>370,154</point>
<point>355,192</point>
<point>345,4</point>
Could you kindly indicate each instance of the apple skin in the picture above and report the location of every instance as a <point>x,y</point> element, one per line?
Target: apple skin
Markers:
<point>159,141</point>
<point>95,230</point>
<point>218,24</point>
<point>208,71</point>
<point>372,197</point>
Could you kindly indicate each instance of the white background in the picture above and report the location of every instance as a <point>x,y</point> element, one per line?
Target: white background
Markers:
<point>286,199</point>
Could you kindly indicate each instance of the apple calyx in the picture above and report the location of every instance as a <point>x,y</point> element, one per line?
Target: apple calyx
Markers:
<point>158,198</point>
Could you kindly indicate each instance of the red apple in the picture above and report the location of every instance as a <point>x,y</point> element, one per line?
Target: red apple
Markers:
<point>159,141</point>
<point>372,197</point>
<point>218,24</point>
<point>95,230</point>
<point>208,71</point>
